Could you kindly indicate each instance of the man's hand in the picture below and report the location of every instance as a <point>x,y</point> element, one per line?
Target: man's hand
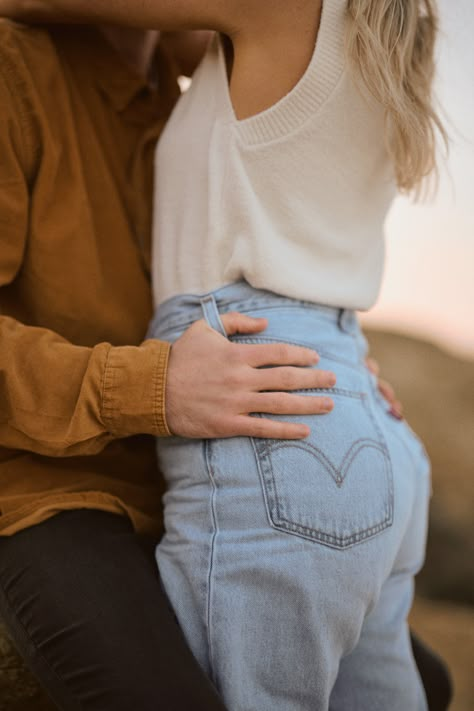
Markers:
<point>213,384</point>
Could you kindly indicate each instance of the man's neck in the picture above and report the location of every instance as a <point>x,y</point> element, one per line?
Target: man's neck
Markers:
<point>137,47</point>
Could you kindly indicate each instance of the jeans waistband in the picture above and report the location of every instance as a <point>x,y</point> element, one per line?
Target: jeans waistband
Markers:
<point>183,310</point>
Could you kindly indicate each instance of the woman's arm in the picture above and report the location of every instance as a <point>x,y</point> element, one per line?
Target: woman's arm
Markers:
<point>186,48</point>
<point>160,14</point>
<point>270,35</point>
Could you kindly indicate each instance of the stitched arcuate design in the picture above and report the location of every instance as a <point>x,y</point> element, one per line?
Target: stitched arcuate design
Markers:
<point>335,487</point>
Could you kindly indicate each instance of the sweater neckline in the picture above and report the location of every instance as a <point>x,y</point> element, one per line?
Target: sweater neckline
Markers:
<point>309,93</point>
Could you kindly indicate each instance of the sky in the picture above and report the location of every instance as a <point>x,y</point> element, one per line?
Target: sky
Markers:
<point>428,287</point>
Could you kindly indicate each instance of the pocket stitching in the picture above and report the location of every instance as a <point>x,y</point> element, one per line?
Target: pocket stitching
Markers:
<point>277,520</point>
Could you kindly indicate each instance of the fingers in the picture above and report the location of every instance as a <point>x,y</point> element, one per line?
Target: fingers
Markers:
<point>286,404</point>
<point>373,366</point>
<point>215,386</point>
<point>276,354</point>
<point>262,354</point>
<point>270,429</point>
<point>234,322</point>
<point>387,391</point>
<point>291,378</point>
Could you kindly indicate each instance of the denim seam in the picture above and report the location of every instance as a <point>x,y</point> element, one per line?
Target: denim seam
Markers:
<point>356,395</point>
<point>36,650</point>
<point>388,461</point>
<point>213,502</point>
<point>412,457</point>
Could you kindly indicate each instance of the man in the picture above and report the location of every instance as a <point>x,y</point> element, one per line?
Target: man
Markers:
<point>79,388</point>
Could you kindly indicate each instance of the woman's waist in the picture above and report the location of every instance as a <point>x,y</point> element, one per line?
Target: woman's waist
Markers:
<point>332,331</point>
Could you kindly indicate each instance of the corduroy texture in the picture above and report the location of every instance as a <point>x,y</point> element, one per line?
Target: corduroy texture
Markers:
<point>79,389</point>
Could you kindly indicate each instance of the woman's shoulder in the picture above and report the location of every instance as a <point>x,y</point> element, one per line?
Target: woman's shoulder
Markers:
<point>277,50</point>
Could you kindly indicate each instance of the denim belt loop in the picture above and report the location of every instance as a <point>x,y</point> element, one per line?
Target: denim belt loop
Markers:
<point>345,321</point>
<point>211,314</point>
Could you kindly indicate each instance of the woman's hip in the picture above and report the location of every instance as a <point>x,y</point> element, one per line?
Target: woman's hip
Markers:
<point>335,488</point>
<point>332,331</point>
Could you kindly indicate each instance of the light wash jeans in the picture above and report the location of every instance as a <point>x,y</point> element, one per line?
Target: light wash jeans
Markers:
<point>290,564</point>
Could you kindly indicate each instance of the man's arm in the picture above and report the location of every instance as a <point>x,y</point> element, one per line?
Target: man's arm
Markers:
<point>56,398</point>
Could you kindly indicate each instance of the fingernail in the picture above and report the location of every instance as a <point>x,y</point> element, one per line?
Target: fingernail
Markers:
<point>327,404</point>
<point>315,357</point>
<point>395,413</point>
<point>332,379</point>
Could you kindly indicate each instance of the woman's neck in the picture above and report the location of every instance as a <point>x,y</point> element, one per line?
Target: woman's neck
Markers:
<point>137,47</point>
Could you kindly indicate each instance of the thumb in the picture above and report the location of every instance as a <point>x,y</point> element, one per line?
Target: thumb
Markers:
<point>235,322</point>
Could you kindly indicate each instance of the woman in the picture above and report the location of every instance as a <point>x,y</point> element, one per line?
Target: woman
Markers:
<point>291,565</point>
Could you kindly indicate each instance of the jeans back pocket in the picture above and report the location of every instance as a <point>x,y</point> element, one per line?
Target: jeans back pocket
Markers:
<point>335,487</point>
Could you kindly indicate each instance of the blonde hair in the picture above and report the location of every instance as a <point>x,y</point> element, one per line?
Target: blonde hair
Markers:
<point>392,44</point>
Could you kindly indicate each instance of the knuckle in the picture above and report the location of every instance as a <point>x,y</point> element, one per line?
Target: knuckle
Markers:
<point>324,378</point>
<point>280,352</point>
<point>276,403</point>
<point>316,405</point>
<point>288,379</point>
<point>214,425</point>
<point>260,428</point>
<point>235,355</point>
<point>238,353</point>
<point>234,379</point>
<point>225,428</point>
<point>286,351</point>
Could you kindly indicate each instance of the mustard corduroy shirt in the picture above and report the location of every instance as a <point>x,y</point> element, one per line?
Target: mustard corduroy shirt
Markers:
<point>80,392</point>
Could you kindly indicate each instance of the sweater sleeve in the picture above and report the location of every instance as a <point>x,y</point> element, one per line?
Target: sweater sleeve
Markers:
<point>56,398</point>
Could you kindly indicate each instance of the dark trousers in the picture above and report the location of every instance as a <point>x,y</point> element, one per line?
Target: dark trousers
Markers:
<point>82,599</point>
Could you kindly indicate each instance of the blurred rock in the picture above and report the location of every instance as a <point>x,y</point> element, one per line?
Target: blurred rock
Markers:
<point>437,391</point>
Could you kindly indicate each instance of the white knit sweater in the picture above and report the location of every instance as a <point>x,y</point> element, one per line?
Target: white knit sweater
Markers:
<point>292,200</point>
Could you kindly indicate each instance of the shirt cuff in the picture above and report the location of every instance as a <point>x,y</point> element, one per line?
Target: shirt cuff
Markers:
<point>133,389</point>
